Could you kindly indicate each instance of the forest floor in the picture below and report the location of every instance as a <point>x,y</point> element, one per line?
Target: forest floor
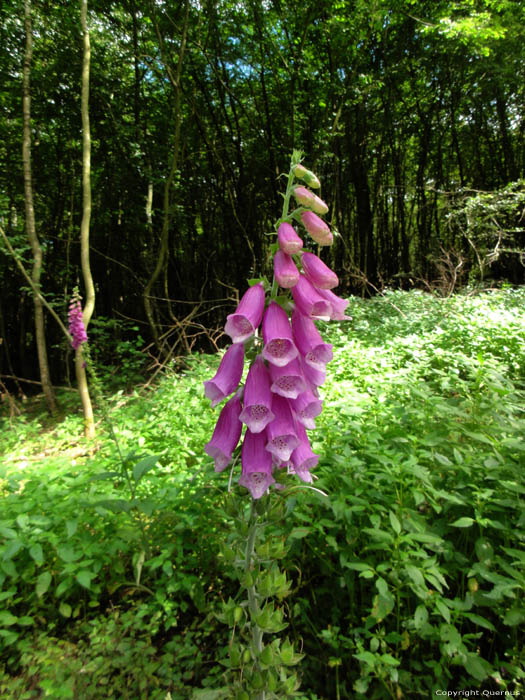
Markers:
<point>109,586</point>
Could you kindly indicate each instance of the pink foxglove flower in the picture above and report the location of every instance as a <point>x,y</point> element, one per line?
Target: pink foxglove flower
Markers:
<point>279,348</point>
<point>282,438</point>
<point>306,407</point>
<point>247,317</point>
<point>309,300</point>
<point>310,200</point>
<point>285,271</point>
<point>338,305</point>
<point>313,375</point>
<point>303,458</point>
<point>257,410</point>
<point>319,274</point>
<point>288,381</point>
<point>76,324</point>
<point>289,241</point>
<point>317,228</point>
<point>228,376</point>
<point>304,196</point>
<point>226,434</point>
<point>308,341</point>
<point>256,464</point>
<point>318,205</point>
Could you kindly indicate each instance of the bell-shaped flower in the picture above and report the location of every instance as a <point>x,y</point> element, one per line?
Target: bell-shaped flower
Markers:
<point>319,274</point>
<point>289,242</point>
<point>310,200</point>
<point>226,434</point>
<point>282,438</point>
<point>247,317</point>
<point>288,381</point>
<point>228,375</point>
<point>338,305</point>
<point>303,458</point>
<point>306,407</point>
<point>308,341</point>
<point>257,401</point>
<point>317,228</point>
<point>303,196</point>
<point>313,375</point>
<point>309,301</point>
<point>285,271</point>
<point>256,473</point>
<point>279,348</point>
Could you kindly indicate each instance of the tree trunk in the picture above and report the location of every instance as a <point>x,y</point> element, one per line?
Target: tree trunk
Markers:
<point>36,272</point>
<point>162,255</point>
<point>89,423</point>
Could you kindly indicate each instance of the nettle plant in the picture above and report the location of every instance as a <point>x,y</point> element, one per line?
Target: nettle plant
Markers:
<point>275,407</point>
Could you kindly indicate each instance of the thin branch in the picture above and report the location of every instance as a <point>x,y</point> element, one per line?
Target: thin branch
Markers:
<point>33,286</point>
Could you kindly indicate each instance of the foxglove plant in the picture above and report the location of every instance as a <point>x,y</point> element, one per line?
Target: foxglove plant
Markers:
<point>275,407</point>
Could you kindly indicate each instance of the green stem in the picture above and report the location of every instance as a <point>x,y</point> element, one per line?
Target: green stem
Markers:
<point>253,605</point>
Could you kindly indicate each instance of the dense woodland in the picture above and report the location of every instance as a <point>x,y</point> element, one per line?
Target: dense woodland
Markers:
<point>410,113</point>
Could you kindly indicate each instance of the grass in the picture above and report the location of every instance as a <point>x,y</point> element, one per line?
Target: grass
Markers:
<point>408,579</point>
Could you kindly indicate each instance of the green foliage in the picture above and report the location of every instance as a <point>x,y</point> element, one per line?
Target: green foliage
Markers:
<point>408,579</point>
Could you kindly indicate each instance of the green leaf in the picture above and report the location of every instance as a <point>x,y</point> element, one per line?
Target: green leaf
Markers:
<point>84,578</point>
<point>394,522</point>
<point>6,619</point>
<point>463,522</point>
<point>65,609</point>
<point>415,575</point>
<point>36,553</point>
<point>367,657</point>
<point>115,505</point>
<point>42,583</point>
<point>513,617</point>
<point>12,549</point>
<point>298,533</point>
<point>71,527</point>
<point>420,616</point>
<point>481,621</point>
<point>68,554</point>
<point>144,466</point>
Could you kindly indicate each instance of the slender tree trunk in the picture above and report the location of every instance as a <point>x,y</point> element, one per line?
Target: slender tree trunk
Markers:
<point>89,423</point>
<point>30,216</point>
<point>162,255</point>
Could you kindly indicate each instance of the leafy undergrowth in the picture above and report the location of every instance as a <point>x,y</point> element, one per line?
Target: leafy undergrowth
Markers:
<point>409,578</point>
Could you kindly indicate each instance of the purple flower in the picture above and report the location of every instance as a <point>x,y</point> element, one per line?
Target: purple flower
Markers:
<point>338,305</point>
<point>257,402</point>
<point>309,342</point>
<point>303,458</point>
<point>289,241</point>
<point>282,438</point>
<point>306,407</point>
<point>226,434</point>
<point>288,381</point>
<point>286,273</point>
<point>228,375</point>
<point>279,348</point>
<point>309,300</point>
<point>313,375</point>
<point>317,228</point>
<point>76,324</point>
<point>256,464</point>
<point>247,317</point>
<point>319,274</point>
